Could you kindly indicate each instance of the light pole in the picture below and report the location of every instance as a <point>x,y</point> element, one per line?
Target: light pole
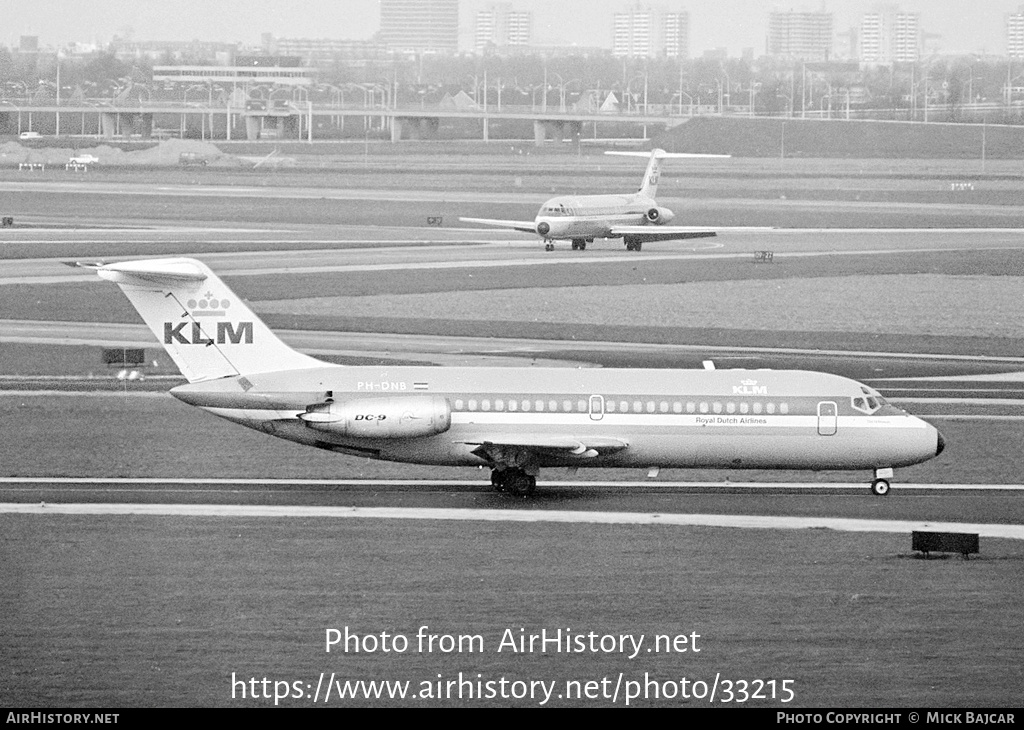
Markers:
<point>629,86</point>
<point>690,100</point>
<point>57,114</point>
<point>202,115</point>
<point>544,104</point>
<point>789,103</point>
<point>533,96</point>
<point>558,84</point>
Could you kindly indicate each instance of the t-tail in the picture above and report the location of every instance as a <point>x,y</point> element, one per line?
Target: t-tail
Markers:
<point>649,186</point>
<point>206,328</point>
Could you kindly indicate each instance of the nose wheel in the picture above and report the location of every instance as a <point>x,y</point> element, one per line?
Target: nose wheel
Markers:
<point>880,484</point>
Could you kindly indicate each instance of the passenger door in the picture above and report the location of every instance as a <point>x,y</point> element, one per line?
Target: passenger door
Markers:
<point>828,417</point>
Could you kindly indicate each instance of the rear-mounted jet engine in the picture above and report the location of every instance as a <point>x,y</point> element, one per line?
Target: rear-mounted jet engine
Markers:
<point>385,418</point>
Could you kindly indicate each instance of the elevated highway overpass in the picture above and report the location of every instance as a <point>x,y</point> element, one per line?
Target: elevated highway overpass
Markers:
<point>104,118</point>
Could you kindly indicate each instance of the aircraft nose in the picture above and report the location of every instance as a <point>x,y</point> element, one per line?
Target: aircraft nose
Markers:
<point>941,443</point>
<point>543,228</point>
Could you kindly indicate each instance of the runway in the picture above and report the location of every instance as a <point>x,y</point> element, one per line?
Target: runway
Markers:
<point>1012,532</point>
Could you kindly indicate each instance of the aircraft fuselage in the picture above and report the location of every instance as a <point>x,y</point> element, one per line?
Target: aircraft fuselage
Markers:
<point>664,418</point>
<point>594,216</point>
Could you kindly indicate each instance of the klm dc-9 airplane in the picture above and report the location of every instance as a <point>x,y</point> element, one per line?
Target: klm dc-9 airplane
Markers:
<point>514,421</point>
<point>633,217</point>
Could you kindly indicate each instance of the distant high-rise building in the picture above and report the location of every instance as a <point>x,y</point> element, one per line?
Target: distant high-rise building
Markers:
<point>888,34</point>
<point>677,34</point>
<point>420,25</point>
<point>322,50</point>
<point>640,31</point>
<point>803,35</point>
<point>1015,34</point>
<point>632,32</point>
<point>500,26</point>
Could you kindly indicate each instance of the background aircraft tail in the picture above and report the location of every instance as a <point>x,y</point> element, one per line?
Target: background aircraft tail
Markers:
<point>206,328</point>
<point>649,186</point>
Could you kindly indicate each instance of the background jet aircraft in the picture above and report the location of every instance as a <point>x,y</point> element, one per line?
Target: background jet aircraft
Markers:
<point>513,420</point>
<point>633,217</point>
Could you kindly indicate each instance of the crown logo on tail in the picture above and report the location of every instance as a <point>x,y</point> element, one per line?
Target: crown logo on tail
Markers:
<point>208,306</point>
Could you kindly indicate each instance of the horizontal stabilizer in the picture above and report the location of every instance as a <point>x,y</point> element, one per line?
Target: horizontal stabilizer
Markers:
<point>163,270</point>
<point>662,154</point>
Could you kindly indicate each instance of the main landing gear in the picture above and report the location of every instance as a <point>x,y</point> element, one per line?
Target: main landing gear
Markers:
<point>513,481</point>
<point>578,244</point>
<point>632,244</point>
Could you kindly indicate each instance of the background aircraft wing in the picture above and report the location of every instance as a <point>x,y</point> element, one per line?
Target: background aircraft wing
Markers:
<point>660,154</point>
<point>675,233</point>
<point>524,226</point>
<point>553,444</point>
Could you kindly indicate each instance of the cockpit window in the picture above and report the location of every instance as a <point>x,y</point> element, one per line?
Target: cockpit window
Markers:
<point>869,403</point>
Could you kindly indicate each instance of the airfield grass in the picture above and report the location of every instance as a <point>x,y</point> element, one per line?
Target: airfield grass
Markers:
<point>164,611</point>
<point>955,302</point>
<point>751,192</point>
<point>936,305</point>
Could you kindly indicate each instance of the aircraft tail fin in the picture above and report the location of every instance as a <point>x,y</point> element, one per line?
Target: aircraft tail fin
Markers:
<point>649,186</point>
<point>206,328</point>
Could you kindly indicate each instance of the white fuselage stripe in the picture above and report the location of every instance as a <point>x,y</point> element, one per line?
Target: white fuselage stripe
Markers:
<point>615,420</point>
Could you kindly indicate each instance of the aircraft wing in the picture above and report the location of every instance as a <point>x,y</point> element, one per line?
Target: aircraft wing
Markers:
<point>524,226</point>
<point>674,233</point>
<point>553,444</point>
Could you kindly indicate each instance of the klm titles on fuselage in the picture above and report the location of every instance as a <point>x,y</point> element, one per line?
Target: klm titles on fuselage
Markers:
<point>239,333</point>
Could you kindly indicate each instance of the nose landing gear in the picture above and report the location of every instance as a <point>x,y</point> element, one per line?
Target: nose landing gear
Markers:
<point>880,485</point>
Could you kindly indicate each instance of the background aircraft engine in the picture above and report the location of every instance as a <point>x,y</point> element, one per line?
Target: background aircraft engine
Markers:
<point>659,215</point>
<point>382,418</point>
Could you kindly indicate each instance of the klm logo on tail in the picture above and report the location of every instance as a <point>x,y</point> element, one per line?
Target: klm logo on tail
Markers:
<point>208,306</point>
<point>176,334</point>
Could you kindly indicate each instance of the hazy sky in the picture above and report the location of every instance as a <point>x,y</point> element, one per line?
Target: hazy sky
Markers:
<point>965,26</point>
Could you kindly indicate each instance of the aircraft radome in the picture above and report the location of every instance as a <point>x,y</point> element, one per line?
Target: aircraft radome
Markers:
<point>514,421</point>
<point>633,217</point>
